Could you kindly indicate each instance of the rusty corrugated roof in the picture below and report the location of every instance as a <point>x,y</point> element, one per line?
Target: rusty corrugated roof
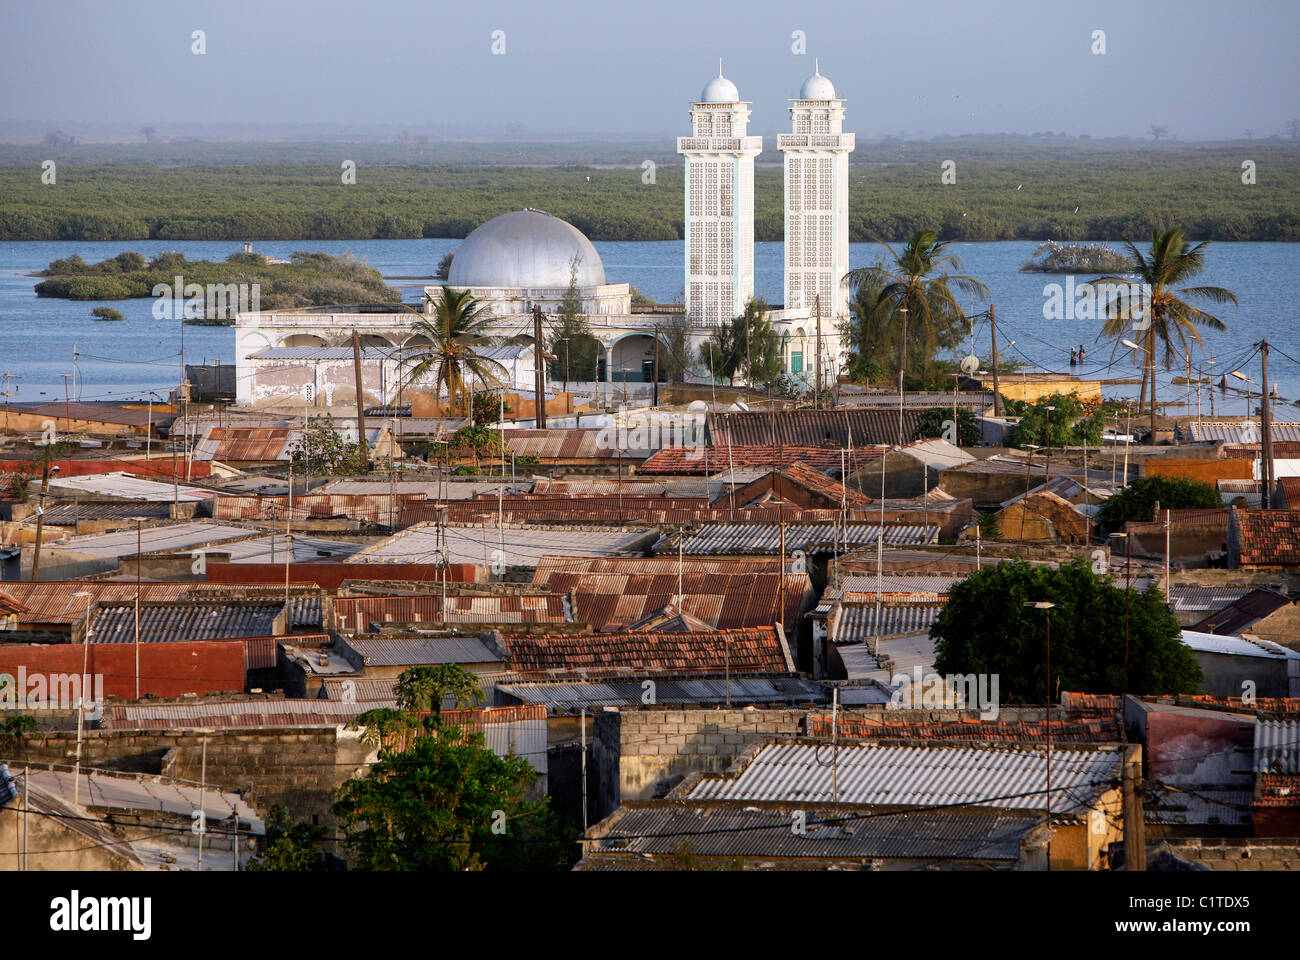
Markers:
<point>359,613</point>
<point>839,428</point>
<point>757,650</point>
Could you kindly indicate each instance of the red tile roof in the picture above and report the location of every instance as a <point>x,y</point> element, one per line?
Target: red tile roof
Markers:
<point>758,650</point>
<point>693,460</point>
<point>1237,705</point>
<point>1277,790</point>
<point>812,479</point>
<point>1269,538</point>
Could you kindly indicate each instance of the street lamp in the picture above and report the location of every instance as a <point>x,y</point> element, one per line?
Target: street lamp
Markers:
<point>1046,606</point>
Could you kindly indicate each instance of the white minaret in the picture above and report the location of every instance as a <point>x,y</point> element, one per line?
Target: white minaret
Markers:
<point>816,200</point>
<point>719,204</point>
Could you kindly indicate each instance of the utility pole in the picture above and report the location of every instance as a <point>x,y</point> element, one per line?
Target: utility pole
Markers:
<point>8,393</point>
<point>40,514</point>
<point>997,393</point>
<point>1135,847</point>
<point>1266,429</point>
<point>539,373</point>
<point>818,394</point>
<point>361,410</point>
<point>655,387</point>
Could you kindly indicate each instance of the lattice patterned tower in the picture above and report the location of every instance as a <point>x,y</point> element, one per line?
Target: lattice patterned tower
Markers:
<point>816,199</point>
<point>719,204</point>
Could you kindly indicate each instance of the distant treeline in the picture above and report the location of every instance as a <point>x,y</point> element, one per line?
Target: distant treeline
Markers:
<point>1002,192</point>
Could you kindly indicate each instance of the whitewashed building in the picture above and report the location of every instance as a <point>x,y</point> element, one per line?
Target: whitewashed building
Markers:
<point>528,257</point>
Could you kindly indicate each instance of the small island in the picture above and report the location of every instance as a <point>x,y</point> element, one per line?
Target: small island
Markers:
<point>1053,257</point>
<point>210,293</point>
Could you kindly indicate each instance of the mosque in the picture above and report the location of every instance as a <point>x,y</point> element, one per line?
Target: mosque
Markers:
<point>528,257</point>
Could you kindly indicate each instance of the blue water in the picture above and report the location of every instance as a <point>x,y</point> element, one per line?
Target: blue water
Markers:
<point>120,360</point>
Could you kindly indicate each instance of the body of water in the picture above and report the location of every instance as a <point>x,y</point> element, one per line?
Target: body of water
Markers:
<point>126,359</point>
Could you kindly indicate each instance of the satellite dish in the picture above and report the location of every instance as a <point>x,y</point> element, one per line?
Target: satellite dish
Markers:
<point>969,364</point>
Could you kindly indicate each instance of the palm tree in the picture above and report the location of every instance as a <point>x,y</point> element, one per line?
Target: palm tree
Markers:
<point>915,288</point>
<point>455,334</point>
<point>1158,300</point>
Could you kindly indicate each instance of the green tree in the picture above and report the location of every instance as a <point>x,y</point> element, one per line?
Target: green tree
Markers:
<point>572,350</point>
<point>323,450</point>
<point>488,409</point>
<point>748,346</point>
<point>1138,500</point>
<point>985,628</point>
<point>455,335</point>
<point>915,292</point>
<point>106,313</point>
<point>1156,308</point>
<point>290,846</point>
<point>1069,424</point>
<point>423,689</point>
<point>675,349</point>
<point>444,266</point>
<point>934,423</point>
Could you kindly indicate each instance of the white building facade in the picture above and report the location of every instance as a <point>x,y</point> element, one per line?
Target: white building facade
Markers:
<point>816,154</point>
<point>719,204</point>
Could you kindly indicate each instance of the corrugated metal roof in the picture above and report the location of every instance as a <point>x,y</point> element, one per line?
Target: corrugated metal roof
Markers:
<point>172,536</point>
<point>711,832</point>
<point>573,444</point>
<point>667,691</point>
<point>858,427</point>
<point>519,545</point>
<point>66,601</point>
<point>765,538</point>
<point>140,793</point>
<point>918,776</point>
<point>377,507</point>
<point>360,613</point>
<point>1277,746</point>
<point>1201,431</point>
<point>752,650</point>
<point>1237,646</point>
<point>630,566</point>
<point>709,461</point>
<point>68,514</point>
<point>1189,599</point>
<point>129,487</point>
<point>233,713</point>
<point>375,650</point>
<point>859,622</point>
<point>856,587</point>
<point>271,549</point>
<point>185,621</point>
<point>722,600</point>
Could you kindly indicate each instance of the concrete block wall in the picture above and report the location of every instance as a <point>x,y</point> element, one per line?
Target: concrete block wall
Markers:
<point>1239,853</point>
<point>293,767</point>
<point>660,747</point>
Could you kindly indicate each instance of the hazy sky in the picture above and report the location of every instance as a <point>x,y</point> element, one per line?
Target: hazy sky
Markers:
<point>1203,68</point>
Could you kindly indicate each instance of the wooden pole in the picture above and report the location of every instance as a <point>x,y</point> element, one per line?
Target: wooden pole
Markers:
<point>539,374</point>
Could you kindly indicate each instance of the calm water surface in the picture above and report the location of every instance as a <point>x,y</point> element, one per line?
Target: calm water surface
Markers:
<point>118,360</point>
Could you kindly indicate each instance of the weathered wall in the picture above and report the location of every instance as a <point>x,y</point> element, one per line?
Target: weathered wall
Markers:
<point>1225,675</point>
<point>1234,853</point>
<point>51,844</point>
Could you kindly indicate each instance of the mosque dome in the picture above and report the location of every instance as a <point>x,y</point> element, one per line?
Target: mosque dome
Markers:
<point>817,87</point>
<point>526,248</point>
<point>720,90</point>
